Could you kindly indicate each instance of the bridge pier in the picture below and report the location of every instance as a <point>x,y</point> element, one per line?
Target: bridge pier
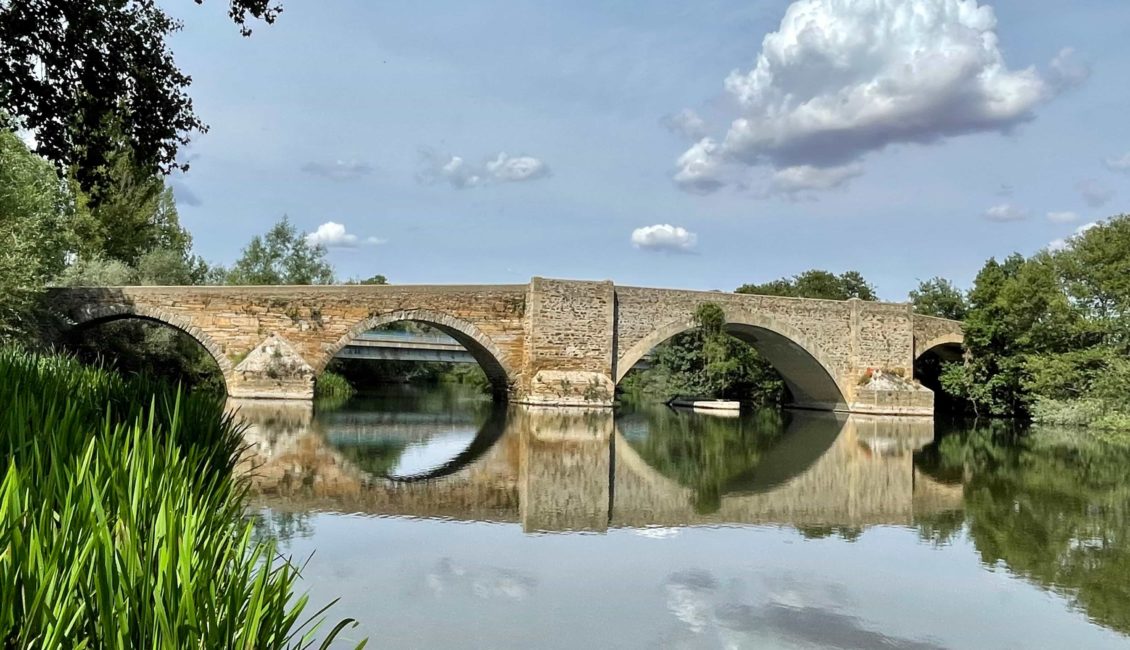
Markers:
<point>273,370</point>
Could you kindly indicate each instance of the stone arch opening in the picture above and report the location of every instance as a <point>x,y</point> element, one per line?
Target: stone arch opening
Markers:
<point>474,341</point>
<point>89,318</point>
<point>807,372</point>
<point>930,361</point>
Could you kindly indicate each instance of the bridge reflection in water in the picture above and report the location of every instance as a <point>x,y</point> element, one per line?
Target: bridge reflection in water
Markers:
<point>568,470</point>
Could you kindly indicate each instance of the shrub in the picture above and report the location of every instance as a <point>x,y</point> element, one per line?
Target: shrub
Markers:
<point>331,385</point>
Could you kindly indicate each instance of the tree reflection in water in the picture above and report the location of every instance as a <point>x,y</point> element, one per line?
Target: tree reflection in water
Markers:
<point>1053,510</point>
<point>703,453</point>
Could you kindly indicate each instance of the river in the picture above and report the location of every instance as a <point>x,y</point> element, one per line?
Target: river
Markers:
<point>442,521</point>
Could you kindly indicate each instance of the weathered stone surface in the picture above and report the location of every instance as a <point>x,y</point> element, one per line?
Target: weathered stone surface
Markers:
<point>549,342</point>
<point>272,370</point>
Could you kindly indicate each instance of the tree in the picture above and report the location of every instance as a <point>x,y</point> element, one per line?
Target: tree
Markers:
<point>1019,318</point>
<point>34,216</point>
<point>816,283</point>
<point>77,73</point>
<point>1096,271</point>
<point>376,279</point>
<point>136,214</point>
<point>282,256</point>
<point>938,297</point>
<point>707,361</point>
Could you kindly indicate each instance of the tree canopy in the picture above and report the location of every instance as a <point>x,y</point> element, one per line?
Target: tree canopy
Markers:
<point>33,222</point>
<point>83,74</point>
<point>938,297</point>
<point>282,256</point>
<point>816,283</point>
<point>1049,334</point>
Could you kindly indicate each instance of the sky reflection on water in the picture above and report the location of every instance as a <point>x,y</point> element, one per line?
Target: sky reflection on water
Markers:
<point>661,529</point>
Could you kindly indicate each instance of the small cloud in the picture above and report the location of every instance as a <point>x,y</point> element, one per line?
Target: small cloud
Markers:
<point>506,169</point>
<point>1062,217</point>
<point>1005,212</point>
<point>1057,245</point>
<point>461,174</point>
<point>685,123</point>
<point>1067,71</point>
<point>701,170</point>
<point>664,237</point>
<point>792,181</point>
<point>1094,193</point>
<point>339,170</point>
<point>1118,163</point>
<point>333,235</point>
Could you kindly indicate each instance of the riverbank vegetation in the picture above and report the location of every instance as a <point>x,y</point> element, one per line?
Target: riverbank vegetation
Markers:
<point>1048,336</point>
<point>331,385</point>
<point>121,522</point>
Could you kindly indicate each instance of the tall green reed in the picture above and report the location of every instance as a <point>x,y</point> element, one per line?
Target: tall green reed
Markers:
<point>121,522</point>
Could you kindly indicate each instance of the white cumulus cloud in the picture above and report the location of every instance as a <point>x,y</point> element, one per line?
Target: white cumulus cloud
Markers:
<point>334,235</point>
<point>460,174</point>
<point>840,79</point>
<point>664,237</point>
<point>1005,212</point>
<point>1062,217</point>
<point>507,169</point>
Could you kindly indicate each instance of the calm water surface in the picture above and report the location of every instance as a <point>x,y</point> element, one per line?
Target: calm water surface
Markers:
<point>443,522</point>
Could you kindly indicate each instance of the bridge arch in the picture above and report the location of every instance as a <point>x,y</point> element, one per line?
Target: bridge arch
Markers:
<point>945,345</point>
<point>478,344</point>
<point>806,369</point>
<point>105,313</point>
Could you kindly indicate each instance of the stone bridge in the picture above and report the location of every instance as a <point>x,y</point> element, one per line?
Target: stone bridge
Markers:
<point>548,342</point>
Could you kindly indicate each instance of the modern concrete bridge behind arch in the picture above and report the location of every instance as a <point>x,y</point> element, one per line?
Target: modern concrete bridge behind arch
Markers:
<point>406,346</point>
<point>548,342</point>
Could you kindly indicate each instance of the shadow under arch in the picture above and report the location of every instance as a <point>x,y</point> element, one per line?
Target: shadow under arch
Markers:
<point>478,344</point>
<point>805,368</point>
<point>102,314</point>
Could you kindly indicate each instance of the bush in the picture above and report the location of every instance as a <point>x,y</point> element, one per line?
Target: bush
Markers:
<point>333,386</point>
<point>122,523</point>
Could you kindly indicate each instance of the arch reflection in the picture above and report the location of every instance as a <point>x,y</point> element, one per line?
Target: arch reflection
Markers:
<point>568,470</point>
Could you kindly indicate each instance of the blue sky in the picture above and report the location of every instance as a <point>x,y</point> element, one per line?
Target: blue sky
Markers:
<point>494,141</point>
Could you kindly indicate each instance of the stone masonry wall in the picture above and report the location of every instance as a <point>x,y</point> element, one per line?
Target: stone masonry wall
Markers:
<point>570,342</point>
<point>314,320</point>
<point>928,329</point>
<point>823,322</point>
<point>549,342</point>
